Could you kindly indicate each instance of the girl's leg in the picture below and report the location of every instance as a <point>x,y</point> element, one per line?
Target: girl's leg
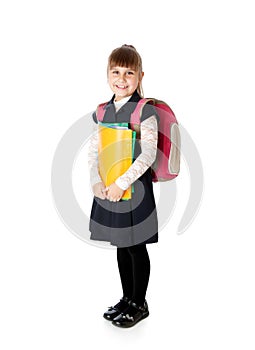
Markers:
<point>125,265</point>
<point>141,272</point>
<point>138,308</point>
<point>126,276</point>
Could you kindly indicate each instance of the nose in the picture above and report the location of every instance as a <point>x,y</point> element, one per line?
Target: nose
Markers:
<point>122,77</point>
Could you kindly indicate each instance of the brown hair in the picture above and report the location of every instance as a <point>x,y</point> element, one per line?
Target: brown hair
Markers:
<point>126,56</point>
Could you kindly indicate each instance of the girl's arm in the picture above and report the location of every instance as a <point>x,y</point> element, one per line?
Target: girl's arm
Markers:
<point>93,157</point>
<point>149,141</point>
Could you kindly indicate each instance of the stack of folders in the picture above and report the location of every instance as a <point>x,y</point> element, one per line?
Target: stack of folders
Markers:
<point>116,144</point>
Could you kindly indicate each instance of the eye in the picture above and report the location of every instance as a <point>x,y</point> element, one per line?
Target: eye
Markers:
<point>115,72</point>
<point>130,73</point>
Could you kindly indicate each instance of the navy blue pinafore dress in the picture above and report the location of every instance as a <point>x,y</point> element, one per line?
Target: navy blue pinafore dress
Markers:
<point>135,221</point>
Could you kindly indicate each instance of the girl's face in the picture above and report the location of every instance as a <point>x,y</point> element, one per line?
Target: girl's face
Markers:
<point>123,81</point>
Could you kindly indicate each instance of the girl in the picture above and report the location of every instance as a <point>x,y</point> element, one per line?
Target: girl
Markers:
<point>128,225</point>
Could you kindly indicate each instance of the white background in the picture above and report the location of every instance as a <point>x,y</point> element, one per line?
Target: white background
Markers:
<point>199,57</point>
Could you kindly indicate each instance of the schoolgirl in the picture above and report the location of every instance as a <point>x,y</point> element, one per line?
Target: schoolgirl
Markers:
<point>128,225</point>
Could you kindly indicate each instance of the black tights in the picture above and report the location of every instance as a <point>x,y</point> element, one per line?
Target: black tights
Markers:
<point>134,269</point>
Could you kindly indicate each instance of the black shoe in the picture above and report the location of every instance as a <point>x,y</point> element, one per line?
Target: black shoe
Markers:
<point>132,315</point>
<point>114,311</point>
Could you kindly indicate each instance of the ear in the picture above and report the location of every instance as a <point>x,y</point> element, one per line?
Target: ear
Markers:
<point>141,76</point>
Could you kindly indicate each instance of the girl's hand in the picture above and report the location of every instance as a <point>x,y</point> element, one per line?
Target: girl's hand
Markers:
<point>99,190</point>
<point>114,192</point>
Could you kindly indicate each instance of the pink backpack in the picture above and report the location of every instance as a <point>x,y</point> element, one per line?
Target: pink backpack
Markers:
<point>167,164</point>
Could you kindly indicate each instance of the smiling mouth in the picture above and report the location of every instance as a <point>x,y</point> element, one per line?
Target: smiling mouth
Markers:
<point>122,87</point>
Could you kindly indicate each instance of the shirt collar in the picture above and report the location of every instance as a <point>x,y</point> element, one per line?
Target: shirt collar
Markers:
<point>126,109</point>
<point>133,98</point>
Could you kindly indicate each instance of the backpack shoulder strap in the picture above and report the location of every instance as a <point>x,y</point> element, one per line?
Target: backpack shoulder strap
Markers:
<point>136,115</point>
<point>100,111</point>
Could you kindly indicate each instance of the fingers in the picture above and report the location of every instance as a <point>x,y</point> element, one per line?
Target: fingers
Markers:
<point>108,193</point>
<point>100,193</point>
<point>102,196</point>
<point>114,199</point>
<point>99,190</point>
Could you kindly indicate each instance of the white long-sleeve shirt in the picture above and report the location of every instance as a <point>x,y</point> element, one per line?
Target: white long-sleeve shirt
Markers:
<point>148,142</point>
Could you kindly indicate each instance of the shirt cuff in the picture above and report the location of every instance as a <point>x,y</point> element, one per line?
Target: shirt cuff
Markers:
<point>121,184</point>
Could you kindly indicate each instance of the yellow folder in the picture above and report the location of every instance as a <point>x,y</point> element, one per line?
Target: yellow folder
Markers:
<point>114,154</point>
